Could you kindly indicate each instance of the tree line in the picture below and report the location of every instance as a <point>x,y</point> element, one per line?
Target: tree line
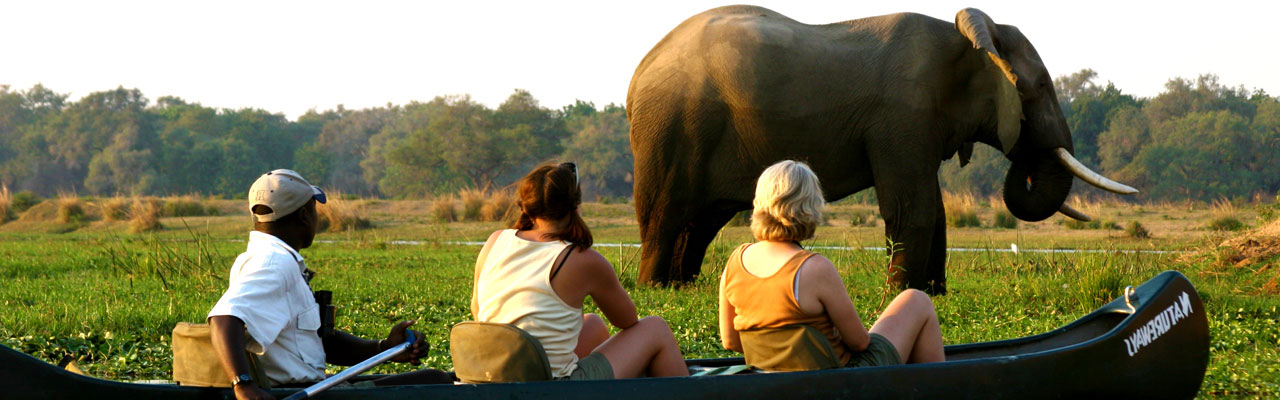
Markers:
<point>1197,140</point>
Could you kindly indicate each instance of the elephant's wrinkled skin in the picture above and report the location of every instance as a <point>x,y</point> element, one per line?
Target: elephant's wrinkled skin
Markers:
<point>879,101</point>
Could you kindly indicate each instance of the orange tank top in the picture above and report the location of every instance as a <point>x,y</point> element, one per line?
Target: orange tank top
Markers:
<point>769,302</point>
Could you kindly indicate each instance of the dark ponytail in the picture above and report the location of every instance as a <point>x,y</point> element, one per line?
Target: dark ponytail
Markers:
<point>551,192</point>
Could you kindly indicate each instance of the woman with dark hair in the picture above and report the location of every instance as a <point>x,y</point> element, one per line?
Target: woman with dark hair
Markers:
<point>537,274</point>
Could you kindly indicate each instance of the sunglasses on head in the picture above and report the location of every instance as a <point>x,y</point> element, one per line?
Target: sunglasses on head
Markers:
<point>572,167</point>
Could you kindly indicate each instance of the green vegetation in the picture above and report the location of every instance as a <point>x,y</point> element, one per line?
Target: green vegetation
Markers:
<point>111,298</point>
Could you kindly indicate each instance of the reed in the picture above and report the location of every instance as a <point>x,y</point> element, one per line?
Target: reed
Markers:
<point>961,210</point>
<point>115,209</point>
<point>6,204</point>
<point>70,208</point>
<point>144,215</point>
<point>472,201</point>
<point>339,214</point>
<point>445,209</point>
<point>499,206</point>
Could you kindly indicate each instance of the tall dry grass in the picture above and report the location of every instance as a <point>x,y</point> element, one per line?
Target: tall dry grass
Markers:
<point>144,215</point>
<point>962,210</point>
<point>6,204</point>
<point>70,208</point>
<point>115,209</point>
<point>445,209</point>
<point>472,201</point>
<point>338,214</point>
<point>500,206</point>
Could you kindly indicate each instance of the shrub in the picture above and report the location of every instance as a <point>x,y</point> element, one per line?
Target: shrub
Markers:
<point>499,207</point>
<point>341,214</point>
<point>115,209</point>
<point>144,215</point>
<point>961,210</point>
<point>1005,220</point>
<point>1226,224</point>
<point>69,209</point>
<point>862,217</point>
<point>6,204</point>
<point>1137,231</point>
<point>472,201</point>
<point>183,206</point>
<point>444,209</point>
<point>25,200</point>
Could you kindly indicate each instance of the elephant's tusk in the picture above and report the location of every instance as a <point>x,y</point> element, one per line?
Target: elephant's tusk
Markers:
<point>1074,213</point>
<point>1087,175</point>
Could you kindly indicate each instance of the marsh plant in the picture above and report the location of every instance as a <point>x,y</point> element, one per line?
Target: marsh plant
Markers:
<point>1137,231</point>
<point>962,210</point>
<point>144,215</point>
<point>500,206</point>
<point>70,209</point>
<point>6,205</point>
<point>184,206</point>
<point>472,202</point>
<point>341,213</point>
<point>115,209</point>
<point>444,209</point>
<point>1004,219</point>
<point>862,217</point>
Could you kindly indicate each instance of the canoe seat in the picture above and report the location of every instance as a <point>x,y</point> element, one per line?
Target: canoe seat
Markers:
<point>196,364</point>
<point>485,352</point>
<point>789,348</point>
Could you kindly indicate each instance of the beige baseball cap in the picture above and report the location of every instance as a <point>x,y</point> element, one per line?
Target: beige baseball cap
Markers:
<point>284,191</point>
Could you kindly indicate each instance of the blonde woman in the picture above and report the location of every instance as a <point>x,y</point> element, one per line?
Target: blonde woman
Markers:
<point>774,282</point>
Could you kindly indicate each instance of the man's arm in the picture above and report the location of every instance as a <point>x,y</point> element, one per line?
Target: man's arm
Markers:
<point>345,349</point>
<point>227,335</point>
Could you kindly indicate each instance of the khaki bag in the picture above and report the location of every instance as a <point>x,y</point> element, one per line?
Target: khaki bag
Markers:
<point>196,364</point>
<point>789,348</point>
<point>485,352</point>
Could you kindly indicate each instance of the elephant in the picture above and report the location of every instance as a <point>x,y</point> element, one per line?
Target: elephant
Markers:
<point>874,102</point>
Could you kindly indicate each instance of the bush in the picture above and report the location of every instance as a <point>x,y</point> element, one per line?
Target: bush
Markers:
<point>472,201</point>
<point>1137,231</point>
<point>961,210</point>
<point>183,206</point>
<point>499,207</point>
<point>341,214</point>
<point>144,215</point>
<point>742,218</point>
<point>115,209</point>
<point>862,217</point>
<point>1226,224</point>
<point>6,205</point>
<point>1005,220</point>
<point>69,209</point>
<point>444,209</point>
<point>25,200</point>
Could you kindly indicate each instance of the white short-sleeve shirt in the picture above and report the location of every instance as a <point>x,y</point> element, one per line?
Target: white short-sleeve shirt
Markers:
<point>269,293</point>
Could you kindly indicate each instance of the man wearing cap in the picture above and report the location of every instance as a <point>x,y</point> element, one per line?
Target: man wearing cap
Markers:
<point>270,300</point>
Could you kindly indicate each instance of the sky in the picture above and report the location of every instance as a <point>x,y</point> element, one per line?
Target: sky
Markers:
<point>291,56</point>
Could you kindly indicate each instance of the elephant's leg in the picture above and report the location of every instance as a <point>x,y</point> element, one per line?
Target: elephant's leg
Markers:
<point>661,242</point>
<point>936,268</point>
<point>696,237</point>
<point>909,216</point>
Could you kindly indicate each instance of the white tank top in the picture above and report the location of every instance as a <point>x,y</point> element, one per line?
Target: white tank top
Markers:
<point>514,287</point>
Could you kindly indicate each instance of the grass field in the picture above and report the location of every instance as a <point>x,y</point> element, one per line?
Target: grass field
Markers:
<point>89,288</point>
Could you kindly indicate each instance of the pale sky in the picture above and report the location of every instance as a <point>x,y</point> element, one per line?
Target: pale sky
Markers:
<point>291,56</point>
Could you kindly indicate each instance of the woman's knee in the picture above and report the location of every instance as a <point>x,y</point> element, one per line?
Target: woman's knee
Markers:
<point>655,325</point>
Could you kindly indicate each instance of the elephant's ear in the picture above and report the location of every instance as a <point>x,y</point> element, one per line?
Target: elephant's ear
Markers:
<point>979,29</point>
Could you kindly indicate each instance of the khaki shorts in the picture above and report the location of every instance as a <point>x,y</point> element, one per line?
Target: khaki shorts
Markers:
<point>880,352</point>
<point>593,367</point>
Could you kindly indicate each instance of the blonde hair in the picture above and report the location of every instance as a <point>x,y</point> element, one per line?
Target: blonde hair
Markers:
<point>788,203</point>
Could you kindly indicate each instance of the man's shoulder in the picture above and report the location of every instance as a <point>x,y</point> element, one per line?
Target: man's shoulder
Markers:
<point>267,257</point>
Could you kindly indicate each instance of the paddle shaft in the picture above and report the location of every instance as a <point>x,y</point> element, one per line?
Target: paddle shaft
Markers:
<point>354,370</point>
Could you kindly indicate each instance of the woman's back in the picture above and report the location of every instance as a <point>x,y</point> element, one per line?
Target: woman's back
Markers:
<point>513,286</point>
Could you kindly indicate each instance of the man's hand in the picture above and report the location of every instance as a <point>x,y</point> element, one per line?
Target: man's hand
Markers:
<point>418,350</point>
<point>249,391</point>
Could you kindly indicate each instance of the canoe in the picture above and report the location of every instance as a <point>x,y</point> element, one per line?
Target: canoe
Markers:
<point>1151,343</point>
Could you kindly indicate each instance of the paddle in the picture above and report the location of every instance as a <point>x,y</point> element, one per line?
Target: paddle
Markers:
<point>354,370</point>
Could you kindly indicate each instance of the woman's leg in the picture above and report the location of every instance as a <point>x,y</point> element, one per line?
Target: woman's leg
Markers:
<point>911,324</point>
<point>645,349</point>
<point>594,332</point>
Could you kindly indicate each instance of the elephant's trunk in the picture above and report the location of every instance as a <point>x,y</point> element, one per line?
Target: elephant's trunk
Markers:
<point>1036,187</point>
